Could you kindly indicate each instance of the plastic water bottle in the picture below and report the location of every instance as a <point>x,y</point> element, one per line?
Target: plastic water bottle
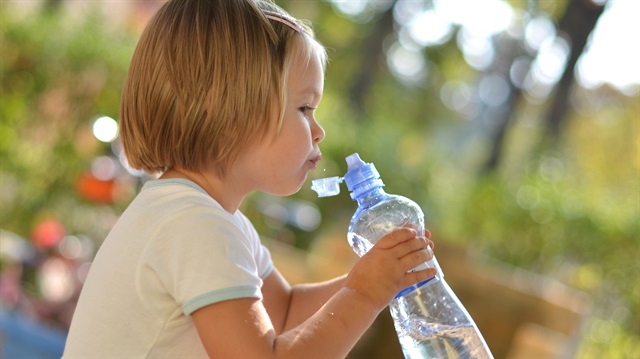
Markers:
<point>428,317</point>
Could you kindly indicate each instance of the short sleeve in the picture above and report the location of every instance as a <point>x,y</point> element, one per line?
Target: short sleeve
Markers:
<point>263,256</point>
<point>204,256</point>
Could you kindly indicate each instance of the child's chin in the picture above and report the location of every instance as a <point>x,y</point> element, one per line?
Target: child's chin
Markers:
<point>286,191</point>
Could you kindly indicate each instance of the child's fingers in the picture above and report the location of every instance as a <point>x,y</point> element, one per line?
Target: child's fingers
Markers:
<point>412,278</point>
<point>427,233</point>
<point>416,258</point>
<point>395,237</point>
<point>409,246</point>
<point>410,225</point>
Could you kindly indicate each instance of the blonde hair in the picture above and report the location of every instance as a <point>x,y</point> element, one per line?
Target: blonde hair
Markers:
<point>205,80</point>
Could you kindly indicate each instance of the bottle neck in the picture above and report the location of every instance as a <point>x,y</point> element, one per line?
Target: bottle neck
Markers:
<point>370,197</point>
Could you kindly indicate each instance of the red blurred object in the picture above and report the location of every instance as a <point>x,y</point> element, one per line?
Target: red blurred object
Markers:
<point>47,233</point>
<point>96,190</point>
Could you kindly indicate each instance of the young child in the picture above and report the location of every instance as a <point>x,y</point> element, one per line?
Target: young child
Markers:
<point>220,101</point>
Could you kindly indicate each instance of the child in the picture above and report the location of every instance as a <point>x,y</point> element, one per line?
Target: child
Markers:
<point>220,101</point>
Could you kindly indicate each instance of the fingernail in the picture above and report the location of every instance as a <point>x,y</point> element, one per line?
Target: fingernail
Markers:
<point>430,251</point>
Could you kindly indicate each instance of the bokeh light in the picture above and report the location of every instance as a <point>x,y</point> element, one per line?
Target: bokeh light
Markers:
<point>537,31</point>
<point>478,51</point>
<point>610,56</point>
<point>407,63</point>
<point>105,129</point>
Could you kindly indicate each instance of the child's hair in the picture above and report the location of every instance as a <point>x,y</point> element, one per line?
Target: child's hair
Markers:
<point>206,79</point>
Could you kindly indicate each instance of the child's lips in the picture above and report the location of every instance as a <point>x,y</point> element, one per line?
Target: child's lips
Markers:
<point>316,159</point>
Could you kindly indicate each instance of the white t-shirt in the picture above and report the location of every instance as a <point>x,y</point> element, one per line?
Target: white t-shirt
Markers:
<point>173,251</point>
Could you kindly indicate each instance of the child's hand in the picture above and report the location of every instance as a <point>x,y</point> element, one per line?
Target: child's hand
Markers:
<point>383,271</point>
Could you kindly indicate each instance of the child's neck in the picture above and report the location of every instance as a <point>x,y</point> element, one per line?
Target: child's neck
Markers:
<point>212,184</point>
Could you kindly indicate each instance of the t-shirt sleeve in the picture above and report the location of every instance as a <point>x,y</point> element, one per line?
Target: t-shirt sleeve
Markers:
<point>263,256</point>
<point>205,257</point>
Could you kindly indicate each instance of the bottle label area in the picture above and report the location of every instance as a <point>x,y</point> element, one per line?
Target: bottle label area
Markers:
<point>410,289</point>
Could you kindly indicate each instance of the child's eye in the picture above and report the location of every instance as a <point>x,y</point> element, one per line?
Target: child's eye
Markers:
<point>306,109</point>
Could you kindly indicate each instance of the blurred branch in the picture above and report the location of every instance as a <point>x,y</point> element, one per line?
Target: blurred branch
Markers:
<point>52,5</point>
<point>509,50</point>
<point>577,23</point>
<point>372,53</point>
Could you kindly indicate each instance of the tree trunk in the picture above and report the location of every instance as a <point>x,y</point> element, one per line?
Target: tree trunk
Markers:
<point>500,116</point>
<point>577,23</point>
<point>372,53</point>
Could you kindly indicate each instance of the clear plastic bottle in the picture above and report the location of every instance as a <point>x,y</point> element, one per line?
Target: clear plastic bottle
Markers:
<point>429,319</point>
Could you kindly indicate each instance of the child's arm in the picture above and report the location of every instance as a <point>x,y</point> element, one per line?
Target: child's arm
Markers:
<point>289,306</point>
<point>243,328</point>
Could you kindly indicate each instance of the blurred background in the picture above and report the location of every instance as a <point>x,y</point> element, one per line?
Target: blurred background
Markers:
<point>514,124</point>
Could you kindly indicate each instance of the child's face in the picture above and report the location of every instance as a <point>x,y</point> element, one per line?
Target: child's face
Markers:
<point>280,163</point>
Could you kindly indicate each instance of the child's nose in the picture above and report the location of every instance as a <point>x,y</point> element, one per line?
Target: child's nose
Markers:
<point>317,132</point>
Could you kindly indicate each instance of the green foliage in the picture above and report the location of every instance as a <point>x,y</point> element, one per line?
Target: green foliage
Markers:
<point>57,76</point>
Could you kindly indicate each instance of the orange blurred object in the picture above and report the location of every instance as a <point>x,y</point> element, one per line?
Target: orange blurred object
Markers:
<point>96,190</point>
<point>47,233</point>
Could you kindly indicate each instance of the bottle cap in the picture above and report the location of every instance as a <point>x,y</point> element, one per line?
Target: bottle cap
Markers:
<point>360,177</point>
<point>358,171</point>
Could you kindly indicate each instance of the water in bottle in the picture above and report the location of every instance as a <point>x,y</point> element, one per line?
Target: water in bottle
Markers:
<point>428,317</point>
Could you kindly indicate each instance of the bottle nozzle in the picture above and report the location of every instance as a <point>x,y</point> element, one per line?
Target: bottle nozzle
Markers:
<point>354,161</point>
<point>327,187</point>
